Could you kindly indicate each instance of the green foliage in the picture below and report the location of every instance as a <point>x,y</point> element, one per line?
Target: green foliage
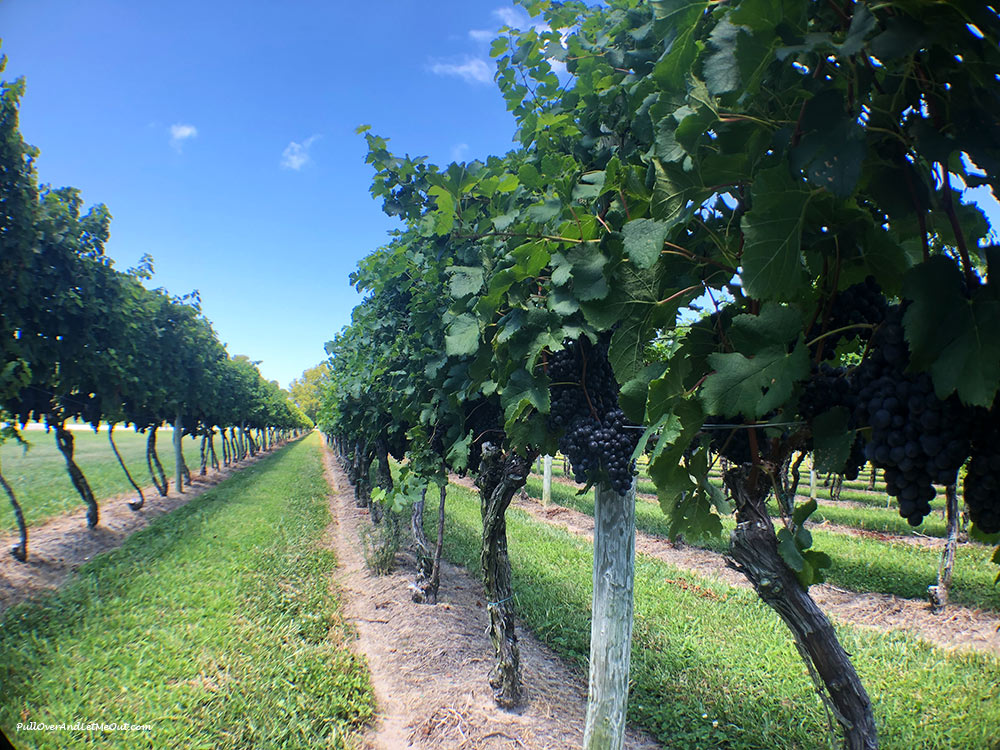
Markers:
<point>380,544</point>
<point>79,339</point>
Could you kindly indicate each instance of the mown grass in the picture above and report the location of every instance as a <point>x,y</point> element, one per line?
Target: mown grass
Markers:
<point>215,625</point>
<point>42,484</point>
<point>876,519</point>
<point>712,667</point>
<point>859,564</point>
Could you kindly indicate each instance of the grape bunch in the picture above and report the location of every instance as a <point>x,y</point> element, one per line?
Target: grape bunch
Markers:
<point>733,444</point>
<point>982,480</point>
<point>861,303</point>
<point>484,418</point>
<point>918,439</point>
<point>585,412</point>
<point>856,459</point>
<point>828,387</point>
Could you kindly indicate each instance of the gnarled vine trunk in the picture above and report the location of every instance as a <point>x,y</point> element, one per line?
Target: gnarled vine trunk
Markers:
<point>425,589</point>
<point>383,479</point>
<point>178,454</point>
<point>19,550</point>
<point>362,475</point>
<point>133,504</point>
<point>500,476</point>
<point>64,441</point>
<point>156,471</point>
<point>424,561</point>
<point>754,553</point>
<point>939,594</point>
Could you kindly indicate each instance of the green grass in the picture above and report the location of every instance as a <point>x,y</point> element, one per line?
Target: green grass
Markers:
<point>712,667</point>
<point>215,625</point>
<point>875,517</point>
<point>42,484</point>
<point>859,564</point>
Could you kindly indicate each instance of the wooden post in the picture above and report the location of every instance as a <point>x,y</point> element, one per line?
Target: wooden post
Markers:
<point>611,624</point>
<point>546,480</point>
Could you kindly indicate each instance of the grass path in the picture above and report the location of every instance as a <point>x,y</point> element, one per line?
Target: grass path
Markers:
<point>215,626</point>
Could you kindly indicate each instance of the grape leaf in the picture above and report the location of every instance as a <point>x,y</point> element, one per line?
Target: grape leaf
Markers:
<point>465,280</point>
<point>772,230</point>
<point>644,241</point>
<point>952,335</point>
<point>774,325</point>
<point>753,386</point>
<point>831,440</point>
<point>463,336</point>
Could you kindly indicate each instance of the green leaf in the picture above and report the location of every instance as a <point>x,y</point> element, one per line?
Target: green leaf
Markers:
<point>803,511</point>
<point>862,23</point>
<point>789,551</point>
<point>952,335</point>
<point>675,195</point>
<point>634,392</point>
<point>529,176</point>
<point>562,302</point>
<point>666,389</point>
<point>775,324</point>
<point>463,336</point>
<point>545,211</point>
<point>832,147</point>
<point>772,228</point>
<point>644,241</point>
<point>666,422</point>
<point>832,440</point>
<point>665,146</point>
<point>753,386</point>
<point>523,392</point>
<point>444,214</point>
<point>591,185</point>
<point>721,68</point>
<point>587,261</point>
<point>819,563</point>
<point>465,280</point>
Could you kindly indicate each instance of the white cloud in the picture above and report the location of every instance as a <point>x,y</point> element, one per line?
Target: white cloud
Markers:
<point>458,151</point>
<point>296,155</point>
<point>510,17</point>
<point>518,19</point>
<point>470,70</point>
<point>482,35</point>
<point>180,133</point>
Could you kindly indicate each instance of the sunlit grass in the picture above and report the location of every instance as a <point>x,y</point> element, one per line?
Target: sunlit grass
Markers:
<point>216,626</point>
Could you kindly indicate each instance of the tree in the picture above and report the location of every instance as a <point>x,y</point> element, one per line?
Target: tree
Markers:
<point>307,391</point>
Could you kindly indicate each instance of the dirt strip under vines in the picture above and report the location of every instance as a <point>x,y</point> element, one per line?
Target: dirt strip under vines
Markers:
<point>957,628</point>
<point>429,663</point>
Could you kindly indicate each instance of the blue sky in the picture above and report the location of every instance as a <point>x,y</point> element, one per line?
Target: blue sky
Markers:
<point>221,137</point>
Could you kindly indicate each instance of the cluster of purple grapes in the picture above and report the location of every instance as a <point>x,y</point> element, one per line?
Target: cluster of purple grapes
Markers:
<point>593,431</point>
<point>918,439</point>
<point>852,309</point>
<point>982,480</point>
<point>484,418</point>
